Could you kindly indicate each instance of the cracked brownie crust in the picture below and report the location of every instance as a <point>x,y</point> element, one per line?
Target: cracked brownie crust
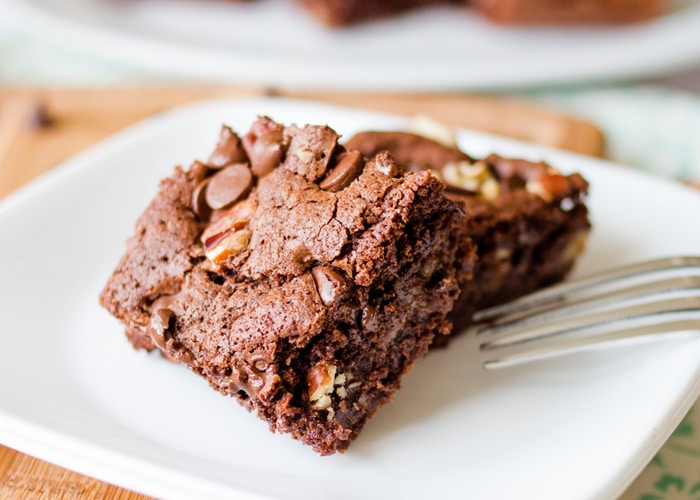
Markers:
<point>294,275</point>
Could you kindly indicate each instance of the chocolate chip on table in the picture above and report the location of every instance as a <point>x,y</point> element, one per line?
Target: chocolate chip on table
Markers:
<point>229,150</point>
<point>39,117</point>
<point>267,152</point>
<point>227,185</point>
<point>330,283</point>
<point>348,167</point>
<point>271,92</point>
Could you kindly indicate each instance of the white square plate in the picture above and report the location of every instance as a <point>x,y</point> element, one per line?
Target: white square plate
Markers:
<point>75,393</point>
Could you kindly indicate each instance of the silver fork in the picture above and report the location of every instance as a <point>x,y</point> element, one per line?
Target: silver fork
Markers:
<point>647,298</point>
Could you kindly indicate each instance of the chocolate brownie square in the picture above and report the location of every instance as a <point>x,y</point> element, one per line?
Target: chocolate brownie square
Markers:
<point>295,275</point>
<point>533,12</point>
<point>528,221</point>
<point>343,12</point>
<point>569,12</point>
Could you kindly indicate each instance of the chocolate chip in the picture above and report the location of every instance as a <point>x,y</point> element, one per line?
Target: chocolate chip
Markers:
<point>227,185</point>
<point>181,354</point>
<point>267,152</point>
<point>330,283</point>
<point>39,117</point>
<point>229,150</point>
<point>199,170</point>
<point>346,170</point>
<point>199,200</point>
<point>164,302</point>
<point>160,326</point>
<point>370,319</point>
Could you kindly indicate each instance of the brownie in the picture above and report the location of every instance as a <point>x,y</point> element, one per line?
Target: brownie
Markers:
<point>295,275</point>
<point>570,12</point>
<point>343,12</point>
<point>528,221</point>
<point>336,13</point>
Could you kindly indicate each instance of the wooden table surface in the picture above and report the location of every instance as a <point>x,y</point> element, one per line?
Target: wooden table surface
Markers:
<point>74,119</point>
<point>41,127</point>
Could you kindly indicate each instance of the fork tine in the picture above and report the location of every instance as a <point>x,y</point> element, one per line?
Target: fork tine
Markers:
<point>601,318</point>
<point>675,314</point>
<point>577,305</point>
<point>558,294</point>
<point>513,355</point>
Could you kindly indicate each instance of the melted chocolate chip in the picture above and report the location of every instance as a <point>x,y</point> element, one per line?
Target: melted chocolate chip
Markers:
<point>346,170</point>
<point>369,318</point>
<point>199,200</point>
<point>182,355</point>
<point>228,185</point>
<point>160,326</point>
<point>267,152</point>
<point>229,150</point>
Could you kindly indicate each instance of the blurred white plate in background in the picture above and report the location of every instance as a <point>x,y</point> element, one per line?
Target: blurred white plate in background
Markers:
<point>274,42</point>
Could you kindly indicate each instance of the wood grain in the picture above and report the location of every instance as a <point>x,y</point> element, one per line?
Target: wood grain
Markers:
<point>79,118</point>
<point>41,127</point>
<point>25,477</point>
